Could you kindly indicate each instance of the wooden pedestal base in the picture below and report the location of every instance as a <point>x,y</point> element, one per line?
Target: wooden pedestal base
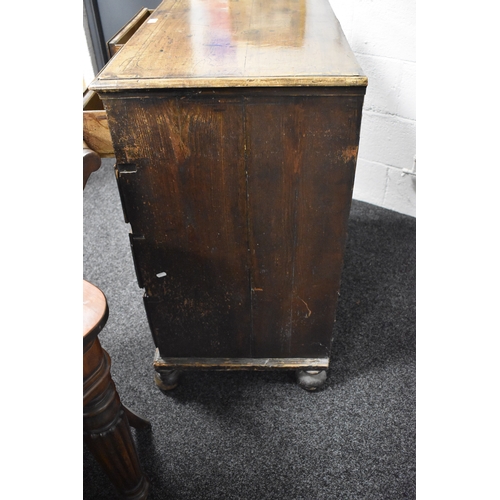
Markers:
<point>106,426</point>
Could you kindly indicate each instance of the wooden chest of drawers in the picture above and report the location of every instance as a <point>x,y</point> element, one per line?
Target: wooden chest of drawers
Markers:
<point>235,126</point>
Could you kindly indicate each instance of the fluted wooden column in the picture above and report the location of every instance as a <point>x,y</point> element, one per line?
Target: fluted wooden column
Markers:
<point>106,426</point>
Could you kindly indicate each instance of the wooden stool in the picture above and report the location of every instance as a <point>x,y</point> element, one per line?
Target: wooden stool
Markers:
<point>105,420</point>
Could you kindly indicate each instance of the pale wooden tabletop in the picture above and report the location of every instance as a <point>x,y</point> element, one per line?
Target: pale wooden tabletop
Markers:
<point>235,43</point>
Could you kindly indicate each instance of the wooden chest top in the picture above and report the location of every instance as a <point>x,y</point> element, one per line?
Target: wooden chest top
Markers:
<point>235,43</point>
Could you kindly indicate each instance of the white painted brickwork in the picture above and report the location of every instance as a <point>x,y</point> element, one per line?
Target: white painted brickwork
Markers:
<point>382,34</point>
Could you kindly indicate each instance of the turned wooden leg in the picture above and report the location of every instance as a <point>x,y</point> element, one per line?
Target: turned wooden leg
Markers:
<point>106,426</point>
<point>311,380</point>
<point>135,420</point>
<point>166,380</point>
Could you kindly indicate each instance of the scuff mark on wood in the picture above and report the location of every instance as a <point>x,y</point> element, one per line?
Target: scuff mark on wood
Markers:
<point>309,312</point>
<point>350,153</point>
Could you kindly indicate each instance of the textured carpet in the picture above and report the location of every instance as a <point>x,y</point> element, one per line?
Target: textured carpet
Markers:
<point>257,436</point>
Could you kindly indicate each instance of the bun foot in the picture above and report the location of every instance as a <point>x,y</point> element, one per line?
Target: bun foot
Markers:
<point>166,380</point>
<point>311,380</point>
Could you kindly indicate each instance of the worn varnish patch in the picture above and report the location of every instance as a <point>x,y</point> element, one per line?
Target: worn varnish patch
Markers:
<point>350,153</point>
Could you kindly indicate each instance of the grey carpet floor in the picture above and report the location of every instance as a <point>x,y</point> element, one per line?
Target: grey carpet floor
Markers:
<point>257,436</point>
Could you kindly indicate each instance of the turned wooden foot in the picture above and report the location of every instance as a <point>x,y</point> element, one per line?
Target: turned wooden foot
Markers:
<point>311,380</point>
<point>106,426</point>
<point>135,420</point>
<point>166,380</point>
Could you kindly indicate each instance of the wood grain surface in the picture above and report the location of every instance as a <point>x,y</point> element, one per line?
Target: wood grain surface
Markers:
<point>95,310</point>
<point>235,43</point>
<point>238,204</point>
<point>95,125</point>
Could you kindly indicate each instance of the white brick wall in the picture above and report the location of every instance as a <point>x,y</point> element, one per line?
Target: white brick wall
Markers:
<point>382,35</point>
